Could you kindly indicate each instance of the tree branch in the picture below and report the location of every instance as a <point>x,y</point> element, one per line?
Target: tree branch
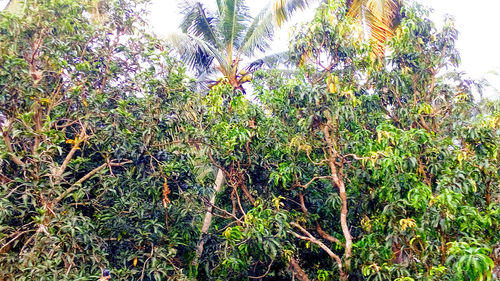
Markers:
<point>87,176</point>
<point>6,139</point>
<point>301,275</point>
<point>314,240</point>
<point>312,180</point>
<point>302,204</point>
<point>337,180</point>
<point>78,140</point>
<point>265,273</point>
<point>207,221</point>
<point>327,236</point>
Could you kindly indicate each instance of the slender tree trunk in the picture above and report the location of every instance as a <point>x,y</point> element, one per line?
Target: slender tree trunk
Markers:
<point>207,221</point>
<point>338,181</point>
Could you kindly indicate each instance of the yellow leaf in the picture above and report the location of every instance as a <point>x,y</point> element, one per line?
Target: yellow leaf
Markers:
<point>44,101</point>
<point>302,60</point>
<point>407,223</point>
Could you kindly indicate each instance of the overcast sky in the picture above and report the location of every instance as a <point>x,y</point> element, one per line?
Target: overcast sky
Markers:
<point>477,22</point>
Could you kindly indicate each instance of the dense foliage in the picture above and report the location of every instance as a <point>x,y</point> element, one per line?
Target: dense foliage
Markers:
<point>346,167</point>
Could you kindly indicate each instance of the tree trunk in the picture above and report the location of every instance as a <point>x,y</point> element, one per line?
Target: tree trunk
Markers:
<point>338,181</point>
<point>219,181</point>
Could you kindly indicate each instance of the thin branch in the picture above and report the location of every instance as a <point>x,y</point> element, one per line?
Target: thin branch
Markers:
<point>312,180</point>
<point>87,176</point>
<point>353,156</point>
<point>314,240</point>
<point>81,137</point>
<point>239,202</point>
<point>6,139</point>
<point>327,236</point>
<point>146,262</point>
<point>4,246</point>
<point>315,163</point>
<point>265,273</point>
<point>302,204</point>
<point>210,204</point>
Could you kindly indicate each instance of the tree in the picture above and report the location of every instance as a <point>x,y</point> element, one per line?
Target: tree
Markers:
<point>385,143</point>
<point>80,109</point>
<point>220,40</point>
<point>227,36</point>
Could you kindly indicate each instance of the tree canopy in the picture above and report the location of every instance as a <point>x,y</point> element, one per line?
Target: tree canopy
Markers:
<point>349,167</point>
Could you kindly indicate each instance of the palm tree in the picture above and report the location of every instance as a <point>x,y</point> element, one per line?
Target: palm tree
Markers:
<point>381,17</point>
<point>221,40</point>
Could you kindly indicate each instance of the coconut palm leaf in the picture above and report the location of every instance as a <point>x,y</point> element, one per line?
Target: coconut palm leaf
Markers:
<point>199,22</point>
<point>282,9</point>
<point>228,35</point>
<point>259,33</point>
<point>275,59</point>
<point>234,19</point>
<point>195,52</point>
<point>261,30</point>
<point>380,16</point>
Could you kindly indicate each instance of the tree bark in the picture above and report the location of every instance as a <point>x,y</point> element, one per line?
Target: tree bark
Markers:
<point>337,180</point>
<point>318,242</point>
<point>301,275</point>
<point>207,221</point>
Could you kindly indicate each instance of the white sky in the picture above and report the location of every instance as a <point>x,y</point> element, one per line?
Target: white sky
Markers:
<point>477,22</point>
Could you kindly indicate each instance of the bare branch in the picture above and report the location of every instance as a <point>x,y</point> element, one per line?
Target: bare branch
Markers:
<point>338,181</point>
<point>210,204</point>
<point>353,156</point>
<point>301,275</point>
<point>302,204</point>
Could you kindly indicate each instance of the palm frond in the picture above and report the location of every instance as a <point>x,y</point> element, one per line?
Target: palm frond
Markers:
<point>380,16</point>
<point>355,7</point>
<point>234,18</point>
<point>259,33</point>
<point>198,21</point>
<point>195,52</point>
<point>276,59</point>
<point>204,81</point>
<point>282,9</point>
